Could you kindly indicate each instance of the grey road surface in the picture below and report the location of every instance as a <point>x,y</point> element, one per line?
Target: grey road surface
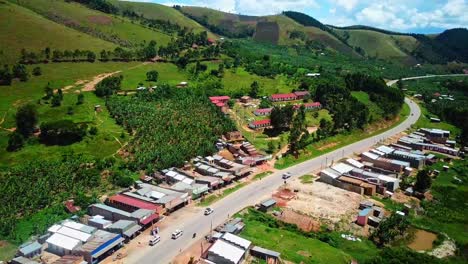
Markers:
<point>195,222</point>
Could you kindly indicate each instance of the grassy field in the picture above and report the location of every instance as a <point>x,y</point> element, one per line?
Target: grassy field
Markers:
<point>374,110</point>
<point>168,73</point>
<point>336,142</point>
<point>105,143</point>
<point>117,29</point>
<point>162,12</point>
<point>297,247</point>
<point>446,213</point>
<point>376,44</point>
<point>22,28</point>
<point>424,121</point>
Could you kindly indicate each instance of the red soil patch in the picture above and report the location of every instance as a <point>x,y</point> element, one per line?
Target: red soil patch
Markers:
<point>304,222</point>
<point>282,196</point>
<point>100,20</point>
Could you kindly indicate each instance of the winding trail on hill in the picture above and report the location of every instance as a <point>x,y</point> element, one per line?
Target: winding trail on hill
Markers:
<point>192,220</point>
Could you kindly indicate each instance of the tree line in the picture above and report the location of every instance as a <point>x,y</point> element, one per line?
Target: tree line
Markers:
<point>389,99</point>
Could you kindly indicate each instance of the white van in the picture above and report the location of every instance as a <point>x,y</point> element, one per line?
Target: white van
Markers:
<point>154,240</point>
<point>177,234</point>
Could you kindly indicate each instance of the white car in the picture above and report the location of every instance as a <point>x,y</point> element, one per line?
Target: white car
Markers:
<point>208,211</point>
<point>154,240</point>
<point>178,233</point>
<point>286,175</point>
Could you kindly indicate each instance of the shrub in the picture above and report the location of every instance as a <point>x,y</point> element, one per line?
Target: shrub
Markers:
<point>15,141</point>
<point>37,71</point>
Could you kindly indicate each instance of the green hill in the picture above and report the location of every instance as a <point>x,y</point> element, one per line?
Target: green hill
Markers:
<point>275,29</point>
<point>376,44</point>
<point>112,28</point>
<point>22,28</point>
<point>161,12</point>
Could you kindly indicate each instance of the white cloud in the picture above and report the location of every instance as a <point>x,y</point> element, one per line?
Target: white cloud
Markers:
<point>348,5</point>
<point>399,16</point>
<point>268,7</point>
<point>223,5</point>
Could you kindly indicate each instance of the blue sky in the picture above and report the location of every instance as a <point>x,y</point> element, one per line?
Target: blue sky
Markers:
<point>419,16</point>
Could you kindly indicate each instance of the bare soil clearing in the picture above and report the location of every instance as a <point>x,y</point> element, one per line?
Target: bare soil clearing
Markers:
<point>323,201</point>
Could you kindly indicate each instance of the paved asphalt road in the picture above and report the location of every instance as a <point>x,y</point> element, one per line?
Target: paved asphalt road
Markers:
<point>195,222</point>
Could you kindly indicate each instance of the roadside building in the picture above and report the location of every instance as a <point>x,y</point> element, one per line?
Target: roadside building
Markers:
<point>143,216</point>
<point>342,168</point>
<point>99,221</point>
<point>270,256</point>
<point>131,204</point>
<point>355,163</point>
<point>263,111</point>
<point>415,160</point>
<point>260,124</point>
<point>23,260</point>
<point>126,228</point>
<point>196,190</point>
<point>283,97</point>
<point>101,245</point>
<point>30,249</point>
<point>228,249</point>
<point>169,199</point>
<point>365,187</point>
<point>60,245</point>
<point>435,135</point>
<point>329,176</point>
<point>267,205</point>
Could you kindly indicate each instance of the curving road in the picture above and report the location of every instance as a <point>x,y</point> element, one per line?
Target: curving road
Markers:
<point>192,220</point>
<point>392,82</point>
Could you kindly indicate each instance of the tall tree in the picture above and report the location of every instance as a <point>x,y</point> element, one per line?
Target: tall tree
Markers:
<point>254,89</point>
<point>423,181</point>
<point>26,119</point>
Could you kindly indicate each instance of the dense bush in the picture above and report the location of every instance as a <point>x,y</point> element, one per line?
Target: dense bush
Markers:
<point>62,132</point>
<point>108,86</point>
<point>40,183</point>
<point>389,99</point>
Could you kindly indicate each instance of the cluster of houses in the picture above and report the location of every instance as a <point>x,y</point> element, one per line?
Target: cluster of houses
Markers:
<point>228,248</point>
<point>108,225</point>
<point>298,95</point>
<point>380,169</point>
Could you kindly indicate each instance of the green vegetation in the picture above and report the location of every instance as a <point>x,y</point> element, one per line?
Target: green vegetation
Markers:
<point>7,250</point>
<point>445,213</point>
<point>307,179</point>
<point>206,201</point>
<point>24,29</point>
<point>118,30</point>
<point>161,12</point>
<point>55,181</point>
<point>186,125</point>
<point>262,175</point>
<point>334,142</point>
<point>375,112</point>
<point>298,246</point>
